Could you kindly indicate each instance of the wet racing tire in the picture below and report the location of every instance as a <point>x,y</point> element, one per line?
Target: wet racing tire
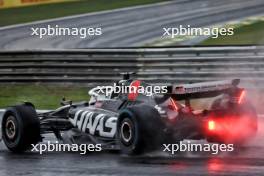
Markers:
<point>20,128</point>
<point>139,130</point>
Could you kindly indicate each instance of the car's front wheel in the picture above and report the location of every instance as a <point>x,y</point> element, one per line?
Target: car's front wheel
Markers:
<point>20,128</point>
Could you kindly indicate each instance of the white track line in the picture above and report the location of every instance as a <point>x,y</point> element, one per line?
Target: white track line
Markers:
<point>39,111</point>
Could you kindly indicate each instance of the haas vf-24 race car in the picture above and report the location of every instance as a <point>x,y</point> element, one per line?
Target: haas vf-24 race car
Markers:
<point>135,123</point>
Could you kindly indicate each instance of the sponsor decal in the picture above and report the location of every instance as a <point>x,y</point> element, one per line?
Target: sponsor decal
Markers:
<point>180,90</point>
<point>160,110</point>
<point>33,1</point>
<point>95,123</point>
<point>20,3</point>
<point>201,87</point>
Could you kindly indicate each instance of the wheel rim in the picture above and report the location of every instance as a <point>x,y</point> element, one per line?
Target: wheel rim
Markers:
<point>10,128</point>
<point>126,132</point>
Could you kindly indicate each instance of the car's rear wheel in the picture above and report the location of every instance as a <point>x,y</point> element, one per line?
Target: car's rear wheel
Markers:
<point>127,131</point>
<point>139,130</point>
<point>20,128</point>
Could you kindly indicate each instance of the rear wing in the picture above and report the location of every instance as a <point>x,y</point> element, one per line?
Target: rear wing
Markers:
<point>203,90</point>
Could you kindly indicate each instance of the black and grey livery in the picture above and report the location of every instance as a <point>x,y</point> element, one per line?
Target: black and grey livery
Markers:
<point>133,126</point>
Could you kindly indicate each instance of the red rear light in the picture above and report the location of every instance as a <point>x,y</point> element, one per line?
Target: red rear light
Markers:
<point>241,97</point>
<point>173,105</point>
<point>211,125</point>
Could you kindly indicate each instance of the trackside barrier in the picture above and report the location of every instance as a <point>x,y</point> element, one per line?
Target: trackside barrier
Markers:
<point>155,65</point>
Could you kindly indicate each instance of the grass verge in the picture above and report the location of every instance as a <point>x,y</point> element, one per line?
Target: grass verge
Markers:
<point>47,11</point>
<point>245,35</point>
<point>43,97</point>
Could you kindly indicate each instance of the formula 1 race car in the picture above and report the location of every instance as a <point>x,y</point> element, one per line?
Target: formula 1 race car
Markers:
<point>134,122</point>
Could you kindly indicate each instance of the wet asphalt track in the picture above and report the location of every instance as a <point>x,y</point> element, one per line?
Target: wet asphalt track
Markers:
<point>244,161</point>
<point>133,27</point>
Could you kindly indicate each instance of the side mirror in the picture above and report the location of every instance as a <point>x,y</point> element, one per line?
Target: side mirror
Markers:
<point>65,102</point>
